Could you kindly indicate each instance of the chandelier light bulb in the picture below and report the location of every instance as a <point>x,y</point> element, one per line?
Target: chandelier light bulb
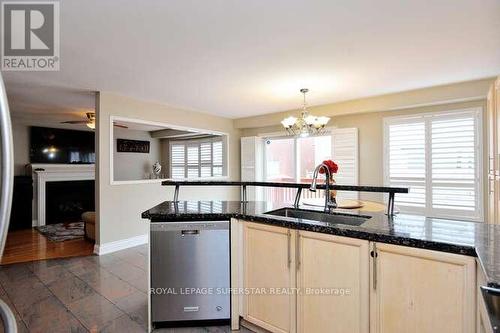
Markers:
<point>288,122</point>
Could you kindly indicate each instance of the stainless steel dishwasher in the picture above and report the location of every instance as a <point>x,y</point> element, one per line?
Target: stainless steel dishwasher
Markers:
<point>190,271</point>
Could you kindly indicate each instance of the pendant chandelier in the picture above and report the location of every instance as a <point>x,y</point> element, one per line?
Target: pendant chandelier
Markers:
<point>305,125</point>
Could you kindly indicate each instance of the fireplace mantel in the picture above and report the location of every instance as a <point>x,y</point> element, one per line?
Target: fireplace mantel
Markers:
<point>43,173</point>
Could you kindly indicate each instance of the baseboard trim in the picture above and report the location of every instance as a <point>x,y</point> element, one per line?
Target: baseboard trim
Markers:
<point>121,244</point>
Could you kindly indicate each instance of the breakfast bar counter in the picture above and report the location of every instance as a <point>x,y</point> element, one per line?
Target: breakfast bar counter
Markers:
<point>480,240</point>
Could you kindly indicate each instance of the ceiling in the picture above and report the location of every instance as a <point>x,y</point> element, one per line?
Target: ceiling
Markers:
<point>243,58</point>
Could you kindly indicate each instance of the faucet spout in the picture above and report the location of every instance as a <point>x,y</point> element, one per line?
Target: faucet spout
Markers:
<point>329,204</point>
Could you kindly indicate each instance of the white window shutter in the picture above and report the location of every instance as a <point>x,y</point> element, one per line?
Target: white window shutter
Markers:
<point>252,163</point>
<point>439,157</point>
<point>197,158</point>
<point>345,154</point>
<point>453,164</point>
<point>177,161</point>
<point>406,162</point>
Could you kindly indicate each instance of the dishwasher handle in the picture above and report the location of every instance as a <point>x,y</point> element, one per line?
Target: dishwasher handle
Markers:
<point>494,291</point>
<point>190,232</point>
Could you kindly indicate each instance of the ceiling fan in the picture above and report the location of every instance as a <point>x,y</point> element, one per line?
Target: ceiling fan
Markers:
<point>90,122</point>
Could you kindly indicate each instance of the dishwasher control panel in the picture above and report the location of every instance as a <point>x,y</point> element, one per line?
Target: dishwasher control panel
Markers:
<point>191,225</point>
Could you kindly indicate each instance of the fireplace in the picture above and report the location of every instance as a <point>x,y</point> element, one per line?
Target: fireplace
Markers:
<point>67,175</point>
<point>65,201</point>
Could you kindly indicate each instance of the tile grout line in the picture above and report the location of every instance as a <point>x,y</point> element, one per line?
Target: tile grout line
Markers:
<point>136,289</point>
<point>30,266</point>
<point>98,293</point>
<point>64,305</point>
<point>109,300</point>
<point>14,306</point>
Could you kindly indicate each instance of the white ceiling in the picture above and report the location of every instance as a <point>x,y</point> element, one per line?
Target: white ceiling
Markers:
<point>243,58</point>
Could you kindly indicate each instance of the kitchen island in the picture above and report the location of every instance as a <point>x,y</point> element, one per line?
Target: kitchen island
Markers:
<point>378,243</point>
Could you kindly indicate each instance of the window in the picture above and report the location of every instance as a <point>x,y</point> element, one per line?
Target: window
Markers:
<point>438,156</point>
<point>289,159</point>
<point>196,158</point>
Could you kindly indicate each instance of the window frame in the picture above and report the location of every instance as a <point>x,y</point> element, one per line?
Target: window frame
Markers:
<point>115,118</point>
<point>428,210</point>
<point>296,148</point>
<point>330,131</point>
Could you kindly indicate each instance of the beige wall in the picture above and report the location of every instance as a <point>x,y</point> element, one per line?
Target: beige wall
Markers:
<point>371,138</point>
<point>445,94</point>
<point>134,166</point>
<point>119,207</point>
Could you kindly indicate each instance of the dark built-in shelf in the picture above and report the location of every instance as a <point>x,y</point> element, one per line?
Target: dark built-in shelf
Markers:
<point>299,186</point>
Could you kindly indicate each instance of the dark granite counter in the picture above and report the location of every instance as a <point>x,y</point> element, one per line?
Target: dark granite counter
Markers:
<point>357,188</point>
<point>466,238</point>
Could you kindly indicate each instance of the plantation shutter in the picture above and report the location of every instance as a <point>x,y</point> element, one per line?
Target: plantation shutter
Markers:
<point>206,159</point>
<point>438,156</point>
<point>252,164</point>
<point>177,161</point>
<point>407,162</point>
<point>193,166</point>
<point>454,183</point>
<point>197,158</point>
<point>217,157</point>
<point>345,154</point>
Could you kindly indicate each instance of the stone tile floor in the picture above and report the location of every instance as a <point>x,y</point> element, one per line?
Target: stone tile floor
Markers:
<point>83,294</point>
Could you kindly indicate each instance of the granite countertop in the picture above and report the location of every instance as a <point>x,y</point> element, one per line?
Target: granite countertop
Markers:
<point>467,238</point>
<point>357,188</point>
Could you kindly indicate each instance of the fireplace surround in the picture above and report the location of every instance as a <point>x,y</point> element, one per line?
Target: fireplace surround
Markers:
<point>46,173</point>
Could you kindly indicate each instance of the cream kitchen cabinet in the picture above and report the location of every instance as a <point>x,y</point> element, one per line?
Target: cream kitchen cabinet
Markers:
<point>415,290</point>
<point>333,278</point>
<point>268,269</point>
<point>322,280</point>
<point>347,285</point>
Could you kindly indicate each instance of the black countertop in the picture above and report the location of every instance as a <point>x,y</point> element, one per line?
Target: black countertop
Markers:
<point>468,238</point>
<point>357,188</point>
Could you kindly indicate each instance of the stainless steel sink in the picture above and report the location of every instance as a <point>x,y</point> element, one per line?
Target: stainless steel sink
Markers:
<point>333,218</point>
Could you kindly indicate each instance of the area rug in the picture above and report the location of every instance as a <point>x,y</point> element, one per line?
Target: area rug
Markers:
<point>60,232</point>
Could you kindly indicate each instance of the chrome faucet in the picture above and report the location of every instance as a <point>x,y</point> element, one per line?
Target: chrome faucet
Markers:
<point>329,203</point>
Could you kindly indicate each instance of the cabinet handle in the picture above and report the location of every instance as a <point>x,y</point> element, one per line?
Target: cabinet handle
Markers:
<point>374,255</point>
<point>297,249</point>
<point>289,255</point>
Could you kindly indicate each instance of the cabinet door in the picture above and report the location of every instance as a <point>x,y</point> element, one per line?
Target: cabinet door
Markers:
<point>268,272</point>
<point>415,290</point>
<point>333,279</point>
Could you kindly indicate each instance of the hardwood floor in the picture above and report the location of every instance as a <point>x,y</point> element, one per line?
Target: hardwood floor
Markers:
<point>30,245</point>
